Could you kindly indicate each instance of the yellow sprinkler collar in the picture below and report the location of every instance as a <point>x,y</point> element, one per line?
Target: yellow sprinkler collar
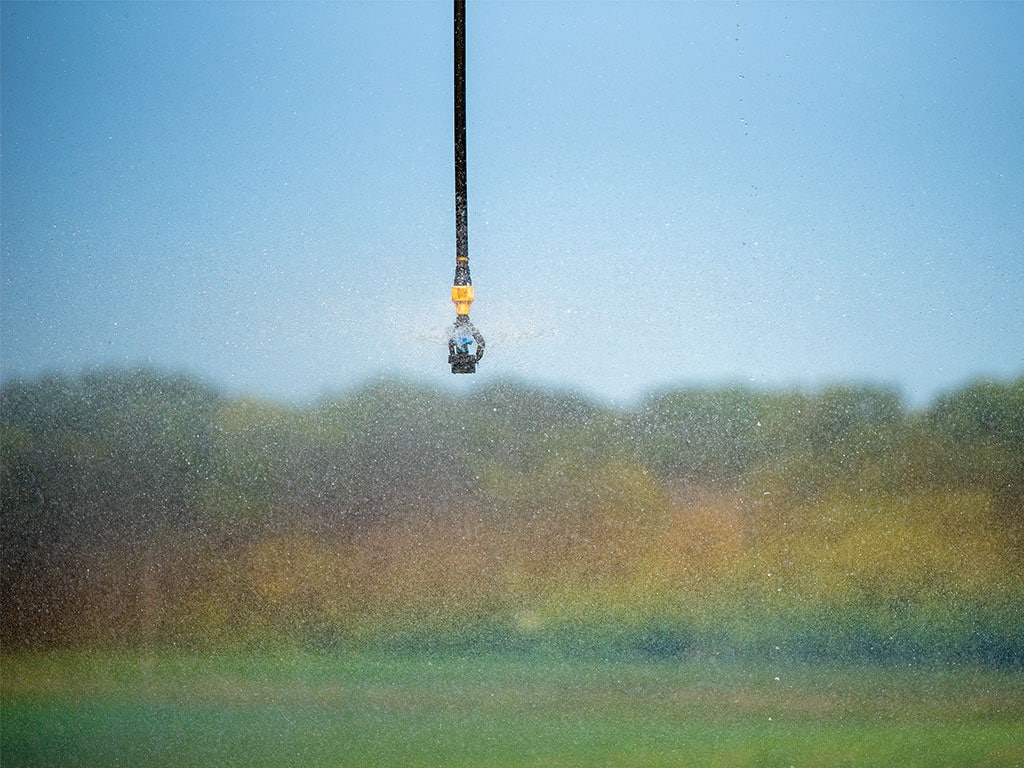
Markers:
<point>462,295</point>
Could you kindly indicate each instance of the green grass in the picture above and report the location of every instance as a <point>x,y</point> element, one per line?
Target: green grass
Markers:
<point>349,709</point>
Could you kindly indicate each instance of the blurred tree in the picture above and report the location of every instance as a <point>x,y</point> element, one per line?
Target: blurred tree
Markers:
<point>134,503</point>
<point>983,426</point>
<point>832,441</point>
<point>572,526</point>
<point>703,437</point>
<point>102,480</point>
<point>387,450</point>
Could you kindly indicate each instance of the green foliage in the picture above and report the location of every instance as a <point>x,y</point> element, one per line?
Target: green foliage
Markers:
<point>722,438</point>
<point>982,425</point>
<point>988,412</point>
<point>703,436</point>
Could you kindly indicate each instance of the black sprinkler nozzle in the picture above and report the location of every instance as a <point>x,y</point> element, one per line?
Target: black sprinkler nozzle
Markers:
<point>465,345</point>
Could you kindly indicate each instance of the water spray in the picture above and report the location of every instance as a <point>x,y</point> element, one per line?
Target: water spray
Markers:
<point>465,344</point>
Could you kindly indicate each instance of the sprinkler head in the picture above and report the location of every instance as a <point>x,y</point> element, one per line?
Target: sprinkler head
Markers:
<point>465,345</point>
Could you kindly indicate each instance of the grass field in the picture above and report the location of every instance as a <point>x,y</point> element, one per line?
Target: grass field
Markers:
<point>355,709</point>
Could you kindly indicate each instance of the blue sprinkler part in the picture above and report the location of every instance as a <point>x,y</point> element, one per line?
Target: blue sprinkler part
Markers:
<point>465,345</point>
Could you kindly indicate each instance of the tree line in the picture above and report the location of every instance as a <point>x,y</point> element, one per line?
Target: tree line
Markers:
<point>139,505</point>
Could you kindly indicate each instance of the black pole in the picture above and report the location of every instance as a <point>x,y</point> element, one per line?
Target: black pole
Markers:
<point>461,212</point>
<point>465,344</point>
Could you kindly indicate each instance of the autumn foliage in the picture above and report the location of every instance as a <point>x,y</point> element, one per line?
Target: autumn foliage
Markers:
<point>146,508</point>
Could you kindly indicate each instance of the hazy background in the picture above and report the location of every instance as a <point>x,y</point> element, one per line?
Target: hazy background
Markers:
<point>261,194</point>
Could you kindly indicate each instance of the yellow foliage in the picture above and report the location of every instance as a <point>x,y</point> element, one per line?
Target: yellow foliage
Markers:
<point>430,567</point>
<point>705,535</point>
<point>925,546</point>
<point>635,550</point>
<point>302,573</point>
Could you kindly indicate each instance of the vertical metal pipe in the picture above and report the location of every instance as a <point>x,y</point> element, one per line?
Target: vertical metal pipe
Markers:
<point>461,202</point>
<point>465,344</point>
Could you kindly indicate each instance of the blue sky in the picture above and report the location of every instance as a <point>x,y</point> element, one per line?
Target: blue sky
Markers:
<point>659,193</point>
